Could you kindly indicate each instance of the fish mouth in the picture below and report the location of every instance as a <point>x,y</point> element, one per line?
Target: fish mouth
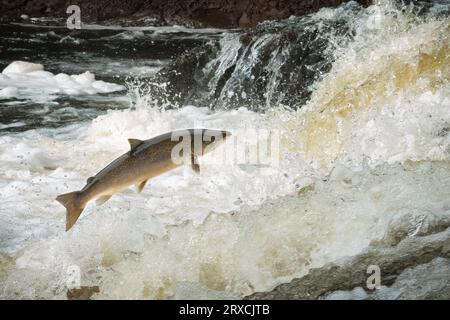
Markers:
<point>216,133</point>
<point>217,138</point>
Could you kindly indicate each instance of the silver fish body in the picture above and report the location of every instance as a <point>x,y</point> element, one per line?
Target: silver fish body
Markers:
<point>145,160</point>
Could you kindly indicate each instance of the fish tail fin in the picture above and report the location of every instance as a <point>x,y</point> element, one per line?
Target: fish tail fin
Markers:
<point>73,206</point>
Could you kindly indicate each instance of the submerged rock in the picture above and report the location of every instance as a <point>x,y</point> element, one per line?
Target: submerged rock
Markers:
<point>416,268</point>
<point>426,281</point>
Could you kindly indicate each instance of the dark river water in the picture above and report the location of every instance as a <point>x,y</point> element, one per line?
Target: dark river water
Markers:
<point>112,54</point>
<point>355,104</point>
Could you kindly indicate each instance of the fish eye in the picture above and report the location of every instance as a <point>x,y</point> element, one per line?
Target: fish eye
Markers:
<point>209,138</point>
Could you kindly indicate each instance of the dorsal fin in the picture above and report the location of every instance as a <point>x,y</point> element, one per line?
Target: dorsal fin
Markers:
<point>89,180</point>
<point>134,143</point>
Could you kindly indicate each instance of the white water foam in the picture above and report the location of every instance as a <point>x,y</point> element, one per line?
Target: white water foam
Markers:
<point>26,80</point>
<point>369,152</point>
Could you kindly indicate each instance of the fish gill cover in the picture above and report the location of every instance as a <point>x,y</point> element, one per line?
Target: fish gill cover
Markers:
<point>361,99</point>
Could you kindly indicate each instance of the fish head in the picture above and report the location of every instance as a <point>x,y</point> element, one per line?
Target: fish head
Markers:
<point>212,138</point>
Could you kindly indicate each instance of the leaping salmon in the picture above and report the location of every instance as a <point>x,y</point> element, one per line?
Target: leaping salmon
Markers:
<point>145,160</point>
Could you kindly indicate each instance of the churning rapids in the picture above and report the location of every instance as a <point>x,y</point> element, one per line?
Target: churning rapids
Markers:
<point>360,98</point>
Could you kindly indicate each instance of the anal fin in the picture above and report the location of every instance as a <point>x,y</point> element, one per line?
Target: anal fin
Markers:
<point>101,200</point>
<point>141,186</point>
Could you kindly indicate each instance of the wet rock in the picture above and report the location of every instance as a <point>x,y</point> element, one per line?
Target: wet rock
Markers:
<point>180,81</point>
<point>426,281</point>
<point>413,222</point>
<point>217,13</point>
<point>273,64</point>
<point>400,268</point>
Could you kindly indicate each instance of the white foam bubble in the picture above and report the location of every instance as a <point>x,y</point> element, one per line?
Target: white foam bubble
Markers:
<point>25,80</point>
<point>8,92</point>
<point>350,172</point>
<point>22,67</point>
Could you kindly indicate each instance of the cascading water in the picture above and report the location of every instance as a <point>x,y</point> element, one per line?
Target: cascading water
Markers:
<point>361,100</point>
<point>261,68</point>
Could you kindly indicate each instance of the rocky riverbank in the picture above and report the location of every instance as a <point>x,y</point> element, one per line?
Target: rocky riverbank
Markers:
<point>200,13</point>
<point>415,268</point>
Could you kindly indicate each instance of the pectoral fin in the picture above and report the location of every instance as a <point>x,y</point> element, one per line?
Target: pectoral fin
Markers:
<point>194,163</point>
<point>101,200</point>
<point>141,186</point>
